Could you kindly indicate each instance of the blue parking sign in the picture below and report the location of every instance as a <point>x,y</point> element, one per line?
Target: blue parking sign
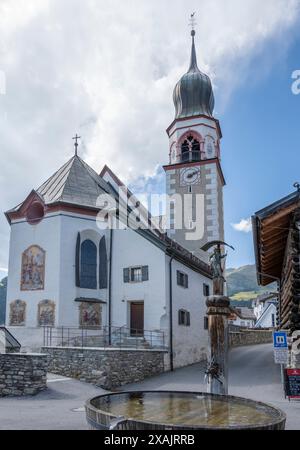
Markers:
<point>280,339</point>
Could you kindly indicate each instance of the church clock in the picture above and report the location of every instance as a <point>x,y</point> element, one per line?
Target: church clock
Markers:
<point>190,176</point>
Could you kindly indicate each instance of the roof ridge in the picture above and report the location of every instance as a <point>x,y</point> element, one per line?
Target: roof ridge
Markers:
<point>93,175</point>
<point>61,171</point>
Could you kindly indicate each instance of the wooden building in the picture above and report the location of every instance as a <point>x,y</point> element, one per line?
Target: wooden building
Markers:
<point>276,230</point>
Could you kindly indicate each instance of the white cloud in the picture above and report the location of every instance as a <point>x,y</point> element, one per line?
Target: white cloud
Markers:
<point>107,69</point>
<point>245,226</point>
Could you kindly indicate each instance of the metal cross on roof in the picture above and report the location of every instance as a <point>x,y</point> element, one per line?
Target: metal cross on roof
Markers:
<point>76,143</point>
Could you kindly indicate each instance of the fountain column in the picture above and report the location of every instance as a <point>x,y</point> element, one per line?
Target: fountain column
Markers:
<point>218,347</point>
<point>218,330</point>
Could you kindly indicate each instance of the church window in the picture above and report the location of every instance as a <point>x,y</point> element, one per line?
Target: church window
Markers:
<point>190,150</point>
<point>184,318</point>
<point>185,152</point>
<point>35,213</point>
<point>88,265</point>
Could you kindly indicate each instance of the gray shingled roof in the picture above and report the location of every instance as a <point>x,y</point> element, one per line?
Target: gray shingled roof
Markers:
<point>74,183</point>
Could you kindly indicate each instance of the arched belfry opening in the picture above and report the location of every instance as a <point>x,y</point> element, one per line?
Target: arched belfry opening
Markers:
<point>191,149</point>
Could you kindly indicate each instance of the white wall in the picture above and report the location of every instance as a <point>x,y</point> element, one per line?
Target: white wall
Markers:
<point>190,343</point>
<point>130,250</point>
<point>46,235</point>
<point>265,321</point>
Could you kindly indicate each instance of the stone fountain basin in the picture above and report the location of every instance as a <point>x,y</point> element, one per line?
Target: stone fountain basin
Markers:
<point>164,410</point>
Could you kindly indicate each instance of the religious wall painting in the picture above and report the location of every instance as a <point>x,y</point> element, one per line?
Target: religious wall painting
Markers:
<point>33,269</point>
<point>90,315</point>
<point>46,314</point>
<point>17,314</point>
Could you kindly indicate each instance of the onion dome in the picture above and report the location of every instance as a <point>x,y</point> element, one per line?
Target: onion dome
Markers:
<point>193,94</point>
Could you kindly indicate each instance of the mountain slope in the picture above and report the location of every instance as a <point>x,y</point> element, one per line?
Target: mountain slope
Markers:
<point>243,281</point>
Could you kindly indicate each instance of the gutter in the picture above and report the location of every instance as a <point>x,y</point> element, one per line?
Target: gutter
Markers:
<point>110,286</point>
<point>171,313</point>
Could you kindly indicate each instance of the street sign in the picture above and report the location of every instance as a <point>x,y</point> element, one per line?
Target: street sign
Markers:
<point>292,383</point>
<point>281,353</point>
<point>280,340</point>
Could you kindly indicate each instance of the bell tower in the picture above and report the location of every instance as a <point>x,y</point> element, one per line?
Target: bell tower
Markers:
<point>194,174</point>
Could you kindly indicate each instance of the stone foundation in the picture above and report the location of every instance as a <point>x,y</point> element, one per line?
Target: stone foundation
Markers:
<point>107,368</point>
<point>250,337</point>
<point>22,374</point>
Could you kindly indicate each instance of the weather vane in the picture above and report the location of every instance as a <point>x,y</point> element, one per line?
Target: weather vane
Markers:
<point>193,22</point>
<point>76,143</point>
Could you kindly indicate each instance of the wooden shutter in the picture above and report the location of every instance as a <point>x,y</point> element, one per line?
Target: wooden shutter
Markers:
<point>178,278</point>
<point>77,261</point>
<point>188,319</point>
<point>180,317</point>
<point>126,273</point>
<point>186,281</point>
<point>103,278</point>
<point>145,273</point>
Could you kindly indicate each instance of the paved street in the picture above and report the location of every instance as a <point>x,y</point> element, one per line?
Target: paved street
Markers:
<point>252,375</point>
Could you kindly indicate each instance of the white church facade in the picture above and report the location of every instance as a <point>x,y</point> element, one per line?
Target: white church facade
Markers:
<point>68,270</point>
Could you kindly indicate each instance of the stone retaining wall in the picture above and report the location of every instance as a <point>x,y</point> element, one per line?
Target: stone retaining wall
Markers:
<point>22,374</point>
<point>107,368</point>
<point>250,337</point>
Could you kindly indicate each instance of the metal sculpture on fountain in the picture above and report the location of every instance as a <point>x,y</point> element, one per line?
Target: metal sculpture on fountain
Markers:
<point>218,312</point>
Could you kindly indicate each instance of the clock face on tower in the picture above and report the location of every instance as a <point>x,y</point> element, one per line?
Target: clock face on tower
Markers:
<point>190,176</point>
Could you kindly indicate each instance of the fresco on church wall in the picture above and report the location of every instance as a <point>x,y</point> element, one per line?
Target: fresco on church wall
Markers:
<point>33,269</point>
<point>17,316</point>
<point>90,315</point>
<point>46,314</point>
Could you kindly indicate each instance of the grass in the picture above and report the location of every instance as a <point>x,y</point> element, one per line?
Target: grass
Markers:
<point>245,296</point>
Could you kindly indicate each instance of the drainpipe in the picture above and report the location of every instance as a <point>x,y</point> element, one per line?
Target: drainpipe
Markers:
<point>171,314</point>
<point>109,287</point>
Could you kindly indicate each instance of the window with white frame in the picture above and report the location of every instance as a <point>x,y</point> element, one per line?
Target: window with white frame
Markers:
<point>136,274</point>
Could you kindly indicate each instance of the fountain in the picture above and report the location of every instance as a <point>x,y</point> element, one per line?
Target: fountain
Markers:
<point>158,410</point>
<point>214,410</point>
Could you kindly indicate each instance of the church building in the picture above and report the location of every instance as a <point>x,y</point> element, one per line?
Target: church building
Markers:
<point>69,267</point>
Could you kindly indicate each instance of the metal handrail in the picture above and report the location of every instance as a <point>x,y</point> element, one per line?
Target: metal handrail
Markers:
<point>122,337</point>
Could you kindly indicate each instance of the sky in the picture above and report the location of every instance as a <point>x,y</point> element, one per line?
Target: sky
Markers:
<point>107,70</point>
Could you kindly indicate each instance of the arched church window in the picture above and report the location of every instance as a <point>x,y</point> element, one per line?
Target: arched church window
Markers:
<point>190,150</point>
<point>88,265</point>
<point>185,151</point>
